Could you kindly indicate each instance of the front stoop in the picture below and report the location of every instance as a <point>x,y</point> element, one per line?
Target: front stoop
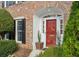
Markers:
<point>35,53</point>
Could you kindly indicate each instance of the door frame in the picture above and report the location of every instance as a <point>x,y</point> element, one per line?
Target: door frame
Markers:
<point>44,19</point>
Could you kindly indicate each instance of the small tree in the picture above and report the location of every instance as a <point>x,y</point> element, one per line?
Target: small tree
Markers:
<point>6,22</point>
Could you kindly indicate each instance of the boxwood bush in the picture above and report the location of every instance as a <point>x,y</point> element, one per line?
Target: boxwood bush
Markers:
<point>7,47</point>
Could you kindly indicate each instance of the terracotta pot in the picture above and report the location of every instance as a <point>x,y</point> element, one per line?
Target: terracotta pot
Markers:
<point>39,45</point>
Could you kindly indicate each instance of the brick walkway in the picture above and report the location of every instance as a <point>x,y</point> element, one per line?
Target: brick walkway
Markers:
<point>22,52</point>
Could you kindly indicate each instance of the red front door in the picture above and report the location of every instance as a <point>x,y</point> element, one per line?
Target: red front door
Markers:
<point>51,32</point>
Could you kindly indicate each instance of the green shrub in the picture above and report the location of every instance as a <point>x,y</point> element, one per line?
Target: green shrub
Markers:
<point>70,43</point>
<point>52,52</point>
<point>7,47</point>
<point>6,21</point>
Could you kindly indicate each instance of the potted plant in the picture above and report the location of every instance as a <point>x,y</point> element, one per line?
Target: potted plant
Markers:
<point>39,44</point>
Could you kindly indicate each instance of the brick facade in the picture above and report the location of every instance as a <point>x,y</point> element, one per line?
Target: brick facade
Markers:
<point>27,9</point>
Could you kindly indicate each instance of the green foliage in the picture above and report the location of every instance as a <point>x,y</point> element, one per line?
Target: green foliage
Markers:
<point>39,37</point>
<point>52,52</point>
<point>7,47</point>
<point>70,43</point>
<point>6,21</point>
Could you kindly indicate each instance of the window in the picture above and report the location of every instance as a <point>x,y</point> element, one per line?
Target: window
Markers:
<point>20,36</point>
<point>21,1</point>
<point>43,26</point>
<point>20,30</point>
<point>20,25</point>
<point>2,4</point>
<point>9,3</point>
<point>61,26</point>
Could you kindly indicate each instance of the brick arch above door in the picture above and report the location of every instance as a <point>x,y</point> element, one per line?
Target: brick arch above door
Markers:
<point>50,11</point>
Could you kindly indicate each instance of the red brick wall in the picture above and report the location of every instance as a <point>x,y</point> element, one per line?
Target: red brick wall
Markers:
<point>27,10</point>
